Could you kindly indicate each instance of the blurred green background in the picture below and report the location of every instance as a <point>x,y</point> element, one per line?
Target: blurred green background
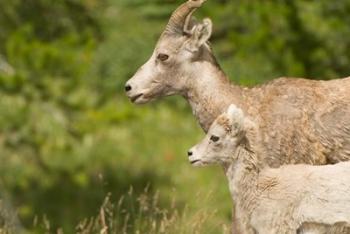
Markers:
<point>75,152</point>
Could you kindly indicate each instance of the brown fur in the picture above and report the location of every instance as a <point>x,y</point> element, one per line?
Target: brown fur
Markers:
<point>300,120</point>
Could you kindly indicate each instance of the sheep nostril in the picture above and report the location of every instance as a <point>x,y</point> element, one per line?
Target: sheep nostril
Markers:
<point>189,153</point>
<point>127,88</point>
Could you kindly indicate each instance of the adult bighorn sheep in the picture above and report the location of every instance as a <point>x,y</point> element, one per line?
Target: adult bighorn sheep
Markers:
<point>290,199</point>
<point>300,121</point>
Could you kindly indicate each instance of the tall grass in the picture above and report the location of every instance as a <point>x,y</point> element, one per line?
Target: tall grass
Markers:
<point>149,216</point>
<point>130,213</point>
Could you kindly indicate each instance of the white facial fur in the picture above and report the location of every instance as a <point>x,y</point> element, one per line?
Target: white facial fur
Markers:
<point>169,68</point>
<point>221,141</point>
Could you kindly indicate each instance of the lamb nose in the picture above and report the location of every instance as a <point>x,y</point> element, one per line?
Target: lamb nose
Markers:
<point>189,153</point>
<point>127,88</point>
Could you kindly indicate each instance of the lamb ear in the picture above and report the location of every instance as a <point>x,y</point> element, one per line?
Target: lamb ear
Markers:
<point>200,35</point>
<point>236,117</point>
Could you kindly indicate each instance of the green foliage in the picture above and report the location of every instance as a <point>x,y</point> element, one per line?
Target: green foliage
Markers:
<point>69,136</point>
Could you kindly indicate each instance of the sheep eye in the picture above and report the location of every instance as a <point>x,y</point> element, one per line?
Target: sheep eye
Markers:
<point>163,57</point>
<point>214,138</point>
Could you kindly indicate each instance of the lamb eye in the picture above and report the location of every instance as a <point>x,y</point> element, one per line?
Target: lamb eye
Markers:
<point>163,57</point>
<point>214,138</point>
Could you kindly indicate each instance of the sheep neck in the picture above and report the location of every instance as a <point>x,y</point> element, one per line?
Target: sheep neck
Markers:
<point>242,174</point>
<point>209,93</point>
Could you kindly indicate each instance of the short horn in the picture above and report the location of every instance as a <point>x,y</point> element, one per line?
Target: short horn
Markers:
<point>178,18</point>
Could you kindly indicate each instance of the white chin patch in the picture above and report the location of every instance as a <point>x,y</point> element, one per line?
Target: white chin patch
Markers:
<point>142,100</point>
<point>198,164</point>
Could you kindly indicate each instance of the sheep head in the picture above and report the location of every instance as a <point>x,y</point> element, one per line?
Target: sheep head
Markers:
<point>222,140</point>
<point>178,51</point>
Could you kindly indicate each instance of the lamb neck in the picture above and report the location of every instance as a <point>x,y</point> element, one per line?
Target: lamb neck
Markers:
<point>242,175</point>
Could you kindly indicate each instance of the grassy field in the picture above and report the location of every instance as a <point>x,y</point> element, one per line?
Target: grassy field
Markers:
<point>133,148</point>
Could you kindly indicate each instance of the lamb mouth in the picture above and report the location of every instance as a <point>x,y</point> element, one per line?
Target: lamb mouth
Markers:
<point>194,161</point>
<point>134,98</point>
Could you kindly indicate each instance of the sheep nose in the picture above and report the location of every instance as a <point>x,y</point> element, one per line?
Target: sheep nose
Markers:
<point>189,153</point>
<point>127,88</point>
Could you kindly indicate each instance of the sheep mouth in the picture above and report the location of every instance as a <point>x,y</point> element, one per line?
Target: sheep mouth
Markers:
<point>134,98</point>
<point>194,161</point>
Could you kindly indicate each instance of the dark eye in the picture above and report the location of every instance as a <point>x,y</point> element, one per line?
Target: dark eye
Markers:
<point>214,138</point>
<point>163,57</point>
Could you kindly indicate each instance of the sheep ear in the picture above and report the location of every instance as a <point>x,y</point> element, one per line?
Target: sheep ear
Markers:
<point>200,34</point>
<point>236,117</point>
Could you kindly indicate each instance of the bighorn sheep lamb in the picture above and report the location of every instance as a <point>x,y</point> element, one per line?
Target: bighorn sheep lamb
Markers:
<point>273,201</point>
<point>312,117</point>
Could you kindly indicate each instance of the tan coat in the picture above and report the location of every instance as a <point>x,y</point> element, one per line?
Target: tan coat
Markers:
<point>284,200</point>
<point>301,121</point>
